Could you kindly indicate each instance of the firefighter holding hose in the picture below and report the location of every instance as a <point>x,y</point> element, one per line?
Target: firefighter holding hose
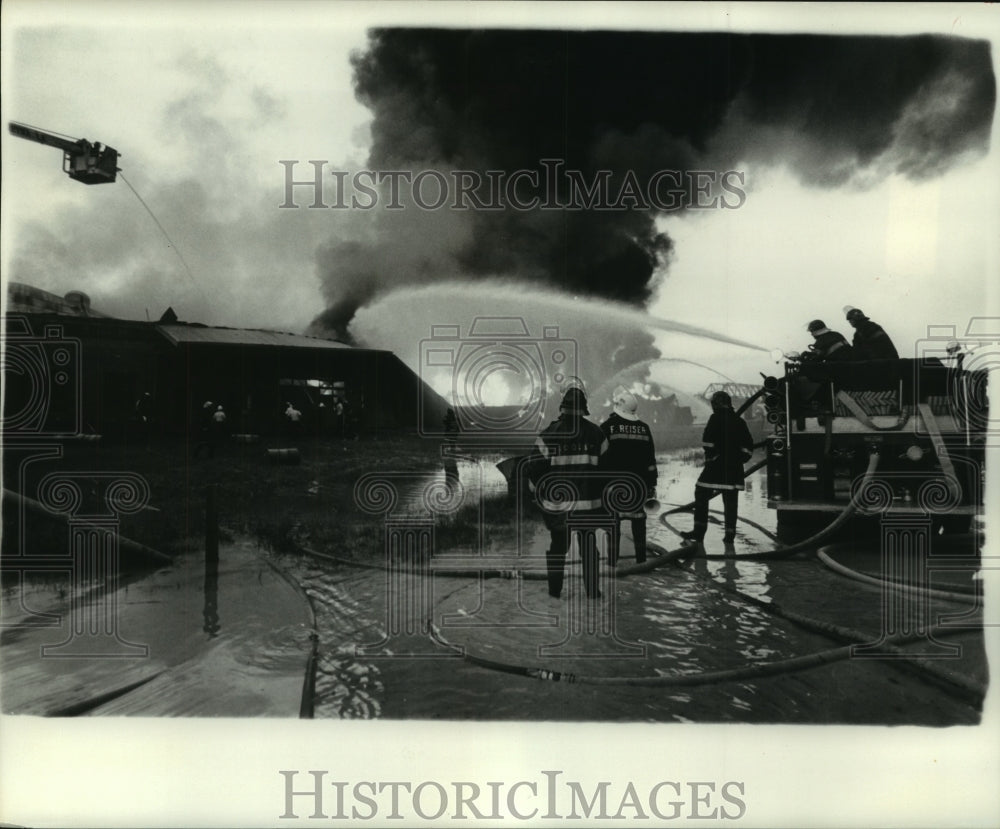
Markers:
<point>728,445</point>
<point>827,345</point>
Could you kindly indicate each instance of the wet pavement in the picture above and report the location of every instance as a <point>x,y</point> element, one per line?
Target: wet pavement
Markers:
<point>185,640</point>
<point>447,645</point>
<point>697,640</point>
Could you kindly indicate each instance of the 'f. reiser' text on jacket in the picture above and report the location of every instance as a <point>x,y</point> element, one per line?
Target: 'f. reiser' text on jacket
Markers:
<point>630,449</point>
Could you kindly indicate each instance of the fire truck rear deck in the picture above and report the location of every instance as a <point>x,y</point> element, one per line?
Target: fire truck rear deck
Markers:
<point>924,420</point>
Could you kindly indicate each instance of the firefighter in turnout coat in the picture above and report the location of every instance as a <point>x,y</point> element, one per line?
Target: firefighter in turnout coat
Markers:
<point>572,449</point>
<point>827,346</point>
<point>728,445</point>
<point>630,449</point>
<point>870,340</point>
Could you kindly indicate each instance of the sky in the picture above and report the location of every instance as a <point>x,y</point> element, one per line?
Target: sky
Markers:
<point>852,191</point>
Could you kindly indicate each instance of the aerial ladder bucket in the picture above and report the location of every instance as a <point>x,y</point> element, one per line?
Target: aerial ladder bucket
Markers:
<point>90,163</point>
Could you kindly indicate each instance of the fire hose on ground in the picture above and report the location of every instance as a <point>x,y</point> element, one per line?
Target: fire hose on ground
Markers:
<point>125,545</point>
<point>814,540</point>
<point>967,687</point>
<point>956,594</point>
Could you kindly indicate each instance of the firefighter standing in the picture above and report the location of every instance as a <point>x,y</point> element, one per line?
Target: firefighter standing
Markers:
<point>870,340</point>
<point>630,449</point>
<point>572,448</point>
<point>218,429</point>
<point>205,430</point>
<point>340,410</point>
<point>728,445</point>
<point>293,419</point>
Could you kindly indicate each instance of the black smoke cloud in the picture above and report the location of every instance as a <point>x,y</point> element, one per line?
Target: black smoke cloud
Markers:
<point>909,105</point>
<point>836,110</point>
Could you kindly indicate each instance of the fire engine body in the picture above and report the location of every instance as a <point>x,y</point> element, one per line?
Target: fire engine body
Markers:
<point>921,417</point>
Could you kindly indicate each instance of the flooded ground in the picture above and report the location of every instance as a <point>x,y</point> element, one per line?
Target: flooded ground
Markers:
<point>230,637</point>
<point>678,644</point>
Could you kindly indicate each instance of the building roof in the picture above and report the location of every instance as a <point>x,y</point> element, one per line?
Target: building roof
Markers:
<point>27,299</point>
<point>179,333</point>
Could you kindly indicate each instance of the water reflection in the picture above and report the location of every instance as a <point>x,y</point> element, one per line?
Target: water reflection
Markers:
<point>685,627</point>
<point>747,577</point>
<point>696,618</point>
<point>710,629</point>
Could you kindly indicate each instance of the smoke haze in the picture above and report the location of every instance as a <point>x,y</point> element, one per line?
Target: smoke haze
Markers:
<point>202,118</point>
<point>839,111</point>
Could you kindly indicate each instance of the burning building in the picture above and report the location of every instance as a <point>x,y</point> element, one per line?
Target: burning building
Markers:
<point>69,370</point>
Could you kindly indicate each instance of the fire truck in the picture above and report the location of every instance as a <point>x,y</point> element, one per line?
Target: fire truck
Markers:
<point>895,436</point>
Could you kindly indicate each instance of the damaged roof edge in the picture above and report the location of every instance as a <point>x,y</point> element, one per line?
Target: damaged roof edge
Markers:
<point>178,333</point>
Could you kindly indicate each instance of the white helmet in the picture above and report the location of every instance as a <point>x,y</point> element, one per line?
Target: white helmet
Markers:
<point>625,404</point>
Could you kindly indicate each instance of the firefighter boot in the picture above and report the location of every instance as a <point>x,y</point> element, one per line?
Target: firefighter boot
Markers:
<point>730,507</point>
<point>555,565</point>
<point>639,535</point>
<point>591,556</point>
<point>697,535</point>
<point>614,543</point>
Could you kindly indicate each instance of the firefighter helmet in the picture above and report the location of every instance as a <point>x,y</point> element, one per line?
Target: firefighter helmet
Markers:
<point>625,404</point>
<point>721,400</point>
<point>574,402</point>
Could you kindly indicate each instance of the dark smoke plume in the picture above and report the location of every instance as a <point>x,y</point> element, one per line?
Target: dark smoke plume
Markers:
<point>836,110</point>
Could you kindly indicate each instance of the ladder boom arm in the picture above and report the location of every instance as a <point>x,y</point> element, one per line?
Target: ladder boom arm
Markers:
<point>42,137</point>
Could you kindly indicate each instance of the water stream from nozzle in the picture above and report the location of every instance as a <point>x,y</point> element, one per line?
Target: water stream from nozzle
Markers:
<point>601,334</point>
